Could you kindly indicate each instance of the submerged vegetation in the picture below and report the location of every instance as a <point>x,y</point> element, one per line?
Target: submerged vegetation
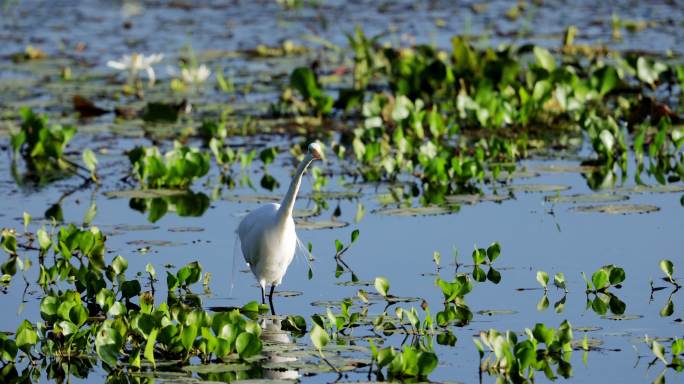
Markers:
<point>411,130</point>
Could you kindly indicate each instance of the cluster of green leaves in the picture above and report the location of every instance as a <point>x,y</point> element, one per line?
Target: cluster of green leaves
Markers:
<point>409,363</point>
<point>176,169</point>
<point>42,146</point>
<point>663,145</point>
<point>313,99</point>
<point>188,204</point>
<point>400,136</point>
<point>519,360</point>
<point>606,277</point>
<point>487,256</point>
<point>559,282</point>
<point>8,243</point>
<point>106,313</point>
<point>676,351</point>
<point>420,125</point>
<point>455,308</point>
<point>340,249</point>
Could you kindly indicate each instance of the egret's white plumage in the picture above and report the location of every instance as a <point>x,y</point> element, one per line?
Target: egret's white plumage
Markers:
<point>267,234</point>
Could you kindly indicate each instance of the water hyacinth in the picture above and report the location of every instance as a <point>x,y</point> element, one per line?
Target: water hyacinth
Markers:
<point>135,63</point>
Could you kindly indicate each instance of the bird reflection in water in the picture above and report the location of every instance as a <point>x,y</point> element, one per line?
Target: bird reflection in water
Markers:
<point>274,339</point>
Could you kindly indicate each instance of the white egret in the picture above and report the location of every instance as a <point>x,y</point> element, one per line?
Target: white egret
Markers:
<point>267,234</point>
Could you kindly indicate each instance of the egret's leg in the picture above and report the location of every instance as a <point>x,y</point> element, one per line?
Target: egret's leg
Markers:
<point>263,294</point>
<point>270,299</point>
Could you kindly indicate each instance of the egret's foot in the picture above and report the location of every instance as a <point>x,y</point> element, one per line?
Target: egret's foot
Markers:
<point>270,300</point>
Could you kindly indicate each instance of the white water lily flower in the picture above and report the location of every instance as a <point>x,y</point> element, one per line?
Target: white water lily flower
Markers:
<point>195,75</point>
<point>137,62</point>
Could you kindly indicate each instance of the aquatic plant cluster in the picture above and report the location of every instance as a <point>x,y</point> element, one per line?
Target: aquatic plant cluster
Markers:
<point>438,125</point>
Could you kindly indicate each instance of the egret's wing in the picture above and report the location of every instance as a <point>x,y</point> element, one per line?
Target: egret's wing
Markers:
<point>249,227</point>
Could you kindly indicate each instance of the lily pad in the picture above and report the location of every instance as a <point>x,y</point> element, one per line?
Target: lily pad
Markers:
<point>621,317</point>
<point>144,193</point>
<point>319,224</point>
<point>430,210</point>
<point>586,198</point>
<point>564,168</point>
<point>592,343</point>
<point>617,209</point>
<point>304,213</point>
<point>474,199</point>
<point>287,293</point>
<point>186,229</point>
<point>587,329</point>
<point>335,195</point>
<point>532,188</point>
<point>135,227</point>
<point>670,188</point>
<point>157,243</point>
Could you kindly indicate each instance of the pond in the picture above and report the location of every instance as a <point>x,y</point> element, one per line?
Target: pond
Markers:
<point>454,202</point>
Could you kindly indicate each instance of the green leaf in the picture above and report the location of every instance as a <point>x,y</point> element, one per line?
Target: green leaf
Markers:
<point>668,268</point>
<point>559,280</point>
<point>338,246</point>
<point>90,160</point>
<point>303,79</point>
<point>600,279</point>
<point>90,214</point>
<point>149,268</point>
<point>108,343</point>
<point>544,58</point>
<point>382,286</point>
<point>9,242</point>
<point>27,220</point>
<point>68,327</point>
<point>78,314</point>
<point>247,345</point>
<point>149,346</point>
<point>616,275</point>
<point>354,235</point>
<point>543,303</point>
<point>130,289</point>
<point>319,337</point>
<point>493,251</point>
<point>171,281</point>
<point>116,309</point>
<point>586,281</point>
<point>493,275</point>
<point>119,265</point>
<point>543,278</point>
<point>479,255</point>
<point>188,336</point>
<point>44,240</point>
<point>48,308</point>
<point>134,359</point>
<point>659,351</point>
<point>26,336</point>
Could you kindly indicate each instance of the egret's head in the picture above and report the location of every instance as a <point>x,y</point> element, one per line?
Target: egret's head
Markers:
<point>316,151</point>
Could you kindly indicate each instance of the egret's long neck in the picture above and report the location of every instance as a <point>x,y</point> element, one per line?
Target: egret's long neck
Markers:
<point>287,205</point>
